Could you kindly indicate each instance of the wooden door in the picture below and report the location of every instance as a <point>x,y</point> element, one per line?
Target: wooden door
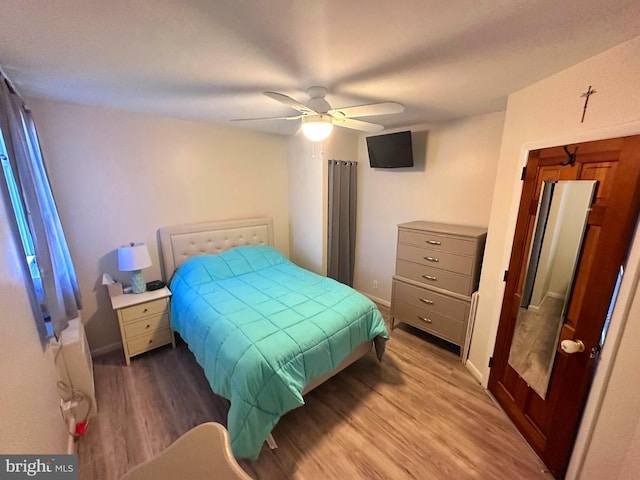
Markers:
<point>550,424</point>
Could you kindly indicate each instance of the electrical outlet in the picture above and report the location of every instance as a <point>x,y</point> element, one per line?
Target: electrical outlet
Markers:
<point>375,284</point>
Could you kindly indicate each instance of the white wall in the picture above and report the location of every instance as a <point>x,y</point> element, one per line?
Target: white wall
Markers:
<point>550,241</point>
<point>578,196</point>
<point>304,167</point>
<point>30,421</point>
<point>614,451</point>
<point>307,171</point>
<point>451,183</point>
<point>119,176</point>
<point>562,240</point>
<point>546,114</point>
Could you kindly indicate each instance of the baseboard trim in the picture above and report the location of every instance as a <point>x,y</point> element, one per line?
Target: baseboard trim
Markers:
<point>385,303</point>
<point>106,349</point>
<point>475,373</point>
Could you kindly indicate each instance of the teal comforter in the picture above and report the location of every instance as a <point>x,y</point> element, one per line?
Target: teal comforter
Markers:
<point>262,328</point>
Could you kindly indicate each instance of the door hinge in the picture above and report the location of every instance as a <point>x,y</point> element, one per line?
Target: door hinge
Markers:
<point>505,276</point>
<point>524,173</point>
<point>490,361</point>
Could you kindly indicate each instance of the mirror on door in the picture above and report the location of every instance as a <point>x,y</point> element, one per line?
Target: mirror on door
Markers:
<point>555,248</point>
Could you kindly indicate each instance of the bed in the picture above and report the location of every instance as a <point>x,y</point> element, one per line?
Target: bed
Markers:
<point>265,331</point>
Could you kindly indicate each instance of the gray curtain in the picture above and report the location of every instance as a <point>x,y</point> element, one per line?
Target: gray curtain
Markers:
<point>341,242</point>
<point>61,293</point>
<point>536,245</point>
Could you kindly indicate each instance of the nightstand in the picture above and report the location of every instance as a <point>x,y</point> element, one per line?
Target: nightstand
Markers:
<point>145,321</point>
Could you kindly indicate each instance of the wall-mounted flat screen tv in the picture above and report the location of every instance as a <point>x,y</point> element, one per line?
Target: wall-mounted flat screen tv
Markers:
<point>392,150</point>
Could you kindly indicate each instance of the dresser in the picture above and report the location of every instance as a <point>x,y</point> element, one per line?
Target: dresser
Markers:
<point>437,270</point>
<point>145,321</point>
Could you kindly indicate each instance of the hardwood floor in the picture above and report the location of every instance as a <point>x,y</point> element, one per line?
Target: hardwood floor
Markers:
<point>419,414</point>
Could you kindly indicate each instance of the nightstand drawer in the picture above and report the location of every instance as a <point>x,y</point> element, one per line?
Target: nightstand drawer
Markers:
<point>431,301</point>
<point>443,327</point>
<point>144,320</point>
<point>435,277</point>
<point>438,242</point>
<point>146,325</point>
<point>136,312</point>
<point>446,261</point>
<point>147,342</point>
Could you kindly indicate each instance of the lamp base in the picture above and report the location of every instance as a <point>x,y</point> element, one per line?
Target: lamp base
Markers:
<point>137,282</point>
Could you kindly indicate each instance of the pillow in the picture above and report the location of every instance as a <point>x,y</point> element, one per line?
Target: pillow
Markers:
<point>230,263</point>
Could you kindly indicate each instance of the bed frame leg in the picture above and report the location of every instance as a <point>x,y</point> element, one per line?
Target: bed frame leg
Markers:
<point>271,442</point>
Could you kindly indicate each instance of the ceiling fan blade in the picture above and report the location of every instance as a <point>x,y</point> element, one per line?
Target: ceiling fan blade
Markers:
<point>384,108</point>
<point>279,97</point>
<point>357,125</point>
<point>295,117</point>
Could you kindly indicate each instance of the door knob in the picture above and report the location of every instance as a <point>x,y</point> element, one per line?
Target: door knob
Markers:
<point>569,346</point>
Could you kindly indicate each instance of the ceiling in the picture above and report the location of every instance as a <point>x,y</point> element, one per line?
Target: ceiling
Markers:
<point>211,59</point>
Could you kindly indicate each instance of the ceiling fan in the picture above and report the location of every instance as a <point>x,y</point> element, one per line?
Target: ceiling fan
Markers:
<point>318,118</point>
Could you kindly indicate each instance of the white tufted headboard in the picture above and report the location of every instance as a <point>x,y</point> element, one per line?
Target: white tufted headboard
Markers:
<point>181,242</point>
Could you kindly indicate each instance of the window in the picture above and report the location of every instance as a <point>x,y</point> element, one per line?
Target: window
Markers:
<point>55,295</point>
<point>25,233</point>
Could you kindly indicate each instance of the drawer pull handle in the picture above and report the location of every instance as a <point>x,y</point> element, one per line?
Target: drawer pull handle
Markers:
<point>150,342</point>
<point>148,326</point>
<point>430,277</point>
<point>145,310</point>
<point>433,242</point>
<point>425,319</point>
<point>425,300</point>
<point>431,259</point>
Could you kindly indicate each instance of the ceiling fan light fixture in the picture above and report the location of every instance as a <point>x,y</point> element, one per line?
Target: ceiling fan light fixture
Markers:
<point>317,127</point>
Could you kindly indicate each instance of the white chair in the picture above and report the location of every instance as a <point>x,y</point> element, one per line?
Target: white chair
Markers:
<point>204,452</point>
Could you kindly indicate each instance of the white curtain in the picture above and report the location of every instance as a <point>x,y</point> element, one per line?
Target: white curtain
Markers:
<point>61,293</point>
<point>341,241</point>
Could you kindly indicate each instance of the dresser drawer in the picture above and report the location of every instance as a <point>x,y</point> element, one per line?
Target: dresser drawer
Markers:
<point>438,242</point>
<point>435,277</point>
<point>146,325</point>
<point>147,342</point>
<point>431,301</point>
<point>434,258</point>
<point>443,327</point>
<point>135,312</point>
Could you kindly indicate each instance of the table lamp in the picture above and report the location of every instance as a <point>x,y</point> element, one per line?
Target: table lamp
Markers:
<point>133,258</point>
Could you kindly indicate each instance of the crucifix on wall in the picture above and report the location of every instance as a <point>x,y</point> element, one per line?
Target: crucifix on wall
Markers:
<point>586,96</point>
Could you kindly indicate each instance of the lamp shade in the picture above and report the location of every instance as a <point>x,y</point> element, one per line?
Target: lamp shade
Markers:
<point>317,127</point>
<point>134,256</point>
